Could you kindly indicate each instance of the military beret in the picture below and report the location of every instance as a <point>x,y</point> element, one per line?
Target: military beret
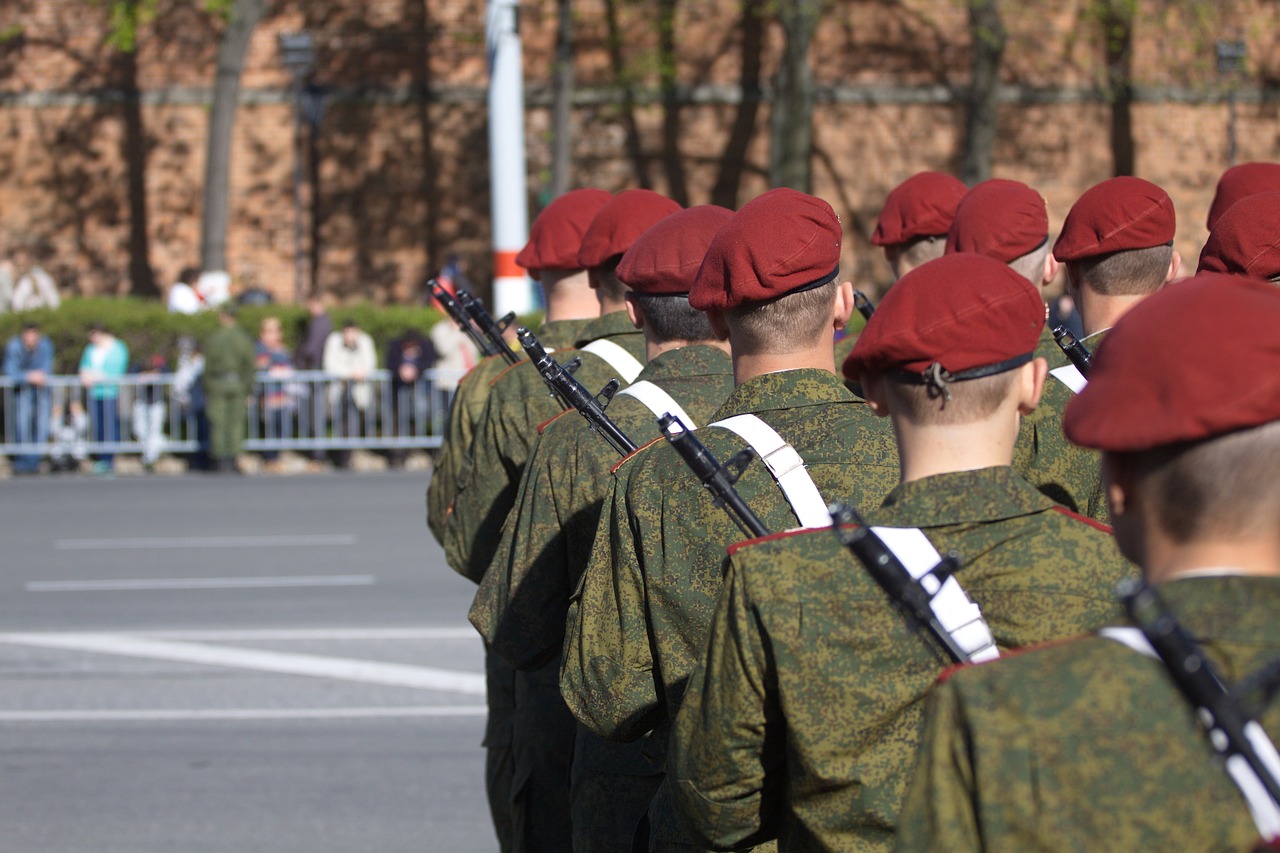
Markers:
<point>968,313</point>
<point>1246,239</point>
<point>556,235</point>
<point>781,242</point>
<point>624,218</point>
<point>921,206</point>
<point>664,260</point>
<point>1117,214</point>
<point>1150,386</point>
<point>1000,219</point>
<point>1241,181</point>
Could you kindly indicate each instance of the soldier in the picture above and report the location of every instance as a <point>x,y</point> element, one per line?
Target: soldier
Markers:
<point>1088,745</point>
<point>520,606</point>
<point>1246,239</point>
<point>228,380</point>
<point>917,214</point>
<point>1007,220</point>
<point>768,285</point>
<point>1240,182</point>
<point>551,257</point>
<point>541,728</point>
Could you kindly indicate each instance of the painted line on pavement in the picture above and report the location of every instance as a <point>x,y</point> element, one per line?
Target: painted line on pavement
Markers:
<point>240,714</point>
<point>288,634</point>
<point>310,540</point>
<point>151,584</point>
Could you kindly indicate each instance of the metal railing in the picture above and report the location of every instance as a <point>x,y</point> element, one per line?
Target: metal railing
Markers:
<point>153,414</point>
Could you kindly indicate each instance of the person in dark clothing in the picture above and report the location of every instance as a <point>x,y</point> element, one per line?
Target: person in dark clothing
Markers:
<point>310,356</point>
<point>409,357</point>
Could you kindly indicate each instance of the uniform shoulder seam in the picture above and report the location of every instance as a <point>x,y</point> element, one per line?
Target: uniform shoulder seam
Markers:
<point>509,368</point>
<point>1009,654</point>
<point>772,537</point>
<point>632,454</point>
<point>552,420</point>
<point>1105,528</point>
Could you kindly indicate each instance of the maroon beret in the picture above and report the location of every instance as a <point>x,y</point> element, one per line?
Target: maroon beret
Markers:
<point>627,215</point>
<point>1151,385</point>
<point>781,242</point>
<point>963,311</point>
<point>664,261</point>
<point>1117,214</point>
<point>921,206</point>
<point>1246,239</point>
<point>1241,181</point>
<point>1000,219</point>
<point>556,235</point>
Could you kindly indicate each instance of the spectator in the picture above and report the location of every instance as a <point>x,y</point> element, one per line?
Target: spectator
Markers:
<point>183,297</point>
<point>35,287</point>
<point>28,360</point>
<point>69,433</point>
<point>228,381</point>
<point>104,360</point>
<point>409,357</point>
<point>149,409</point>
<point>310,356</point>
<point>6,284</point>
<point>278,402</point>
<point>349,357</point>
<point>455,352</point>
<point>188,394</point>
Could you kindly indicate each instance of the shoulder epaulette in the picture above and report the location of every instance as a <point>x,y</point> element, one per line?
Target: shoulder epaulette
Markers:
<point>785,534</point>
<point>494,380</point>
<point>1010,654</point>
<point>1105,528</point>
<point>632,454</point>
<point>550,421</point>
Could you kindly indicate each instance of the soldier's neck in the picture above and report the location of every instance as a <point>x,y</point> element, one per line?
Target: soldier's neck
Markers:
<point>1098,312</point>
<point>569,295</point>
<point>653,347</point>
<point>926,450</point>
<point>1166,559</point>
<point>748,366</point>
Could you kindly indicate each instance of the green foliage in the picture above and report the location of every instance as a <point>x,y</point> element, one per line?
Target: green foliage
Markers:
<point>128,17</point>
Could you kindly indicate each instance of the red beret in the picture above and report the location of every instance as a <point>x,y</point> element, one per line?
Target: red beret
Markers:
<point>1122,213</point>
<point>1241,181</point>
<point>627,215</point>
<point>664,261</point>
<point>921,206</point>
<point>556,235</point>
<point>963,311</point>
<point>1150,384</point>
<point>1000,219</point>
<point>781,242</point>
<point>1246,239</point>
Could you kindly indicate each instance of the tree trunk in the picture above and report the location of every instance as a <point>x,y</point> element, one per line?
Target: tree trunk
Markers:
<point>562,100</point>
<point>734,158</point>
<point>134,150</point>
<point>791,119</point>
<point>1117,32</point>
<point>982,105</point>
<point>244,17</point>
<point>672,161</point>
<point>634,148</point>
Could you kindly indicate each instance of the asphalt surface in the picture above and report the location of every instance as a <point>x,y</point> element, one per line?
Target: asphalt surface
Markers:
<point>205,663</point>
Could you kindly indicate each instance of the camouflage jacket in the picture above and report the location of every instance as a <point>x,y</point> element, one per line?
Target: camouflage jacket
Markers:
<point>802,722</point>
<point>641,615</point>
<point>520,606</point>
<point>518,403</point>
<point>464,413</point>
<point>1088,745</point>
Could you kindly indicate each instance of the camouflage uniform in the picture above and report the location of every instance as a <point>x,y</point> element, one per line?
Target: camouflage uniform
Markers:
<point>802,721</point>
<point>520,606</point>
<point>1088,745</point>
<point>640,620</point>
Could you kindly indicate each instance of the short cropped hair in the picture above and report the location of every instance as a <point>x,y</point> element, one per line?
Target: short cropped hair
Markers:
<point>672,318</point>
<point>1129,272</point>
<point>782,325</point>
<point>1031,265</point>
<point>920,250</point>
<point>971,400</point>
<point>606,279</point>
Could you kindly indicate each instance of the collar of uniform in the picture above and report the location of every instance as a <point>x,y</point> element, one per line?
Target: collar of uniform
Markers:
<point>1092,341</point>
<point>786,389</point>
<point>687,362</point>
<point>558,334</point>
<point>611,325</point>
<point>1229,608</point>
<point>960,497</point>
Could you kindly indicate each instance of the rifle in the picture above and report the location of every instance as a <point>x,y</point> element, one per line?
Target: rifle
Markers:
<point>575,394</point>
<point>893,577</point>
<point>718,479</point>
<point>1076,351</point>
<point>864,305</point>
<point>1250,757</point>
<point>485,323</point>
<point>459,316</point>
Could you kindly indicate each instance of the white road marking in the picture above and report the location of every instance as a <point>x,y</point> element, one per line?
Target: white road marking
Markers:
<point>236,714</point>
<point>188,542</point>
<point>147,584</point>
<point>343,669</point>
<point>285,634</point>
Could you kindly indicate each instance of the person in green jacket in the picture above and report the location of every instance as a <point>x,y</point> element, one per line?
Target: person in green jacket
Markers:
<point>228,381</point>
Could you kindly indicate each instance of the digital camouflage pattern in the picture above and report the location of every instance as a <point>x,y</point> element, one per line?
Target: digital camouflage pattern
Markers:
<point>803,721</point>
<point>518,403</point>
<point>464,413</point>
<point>1068,474</point>
<point>639,622</point>
<point>1088,745</point>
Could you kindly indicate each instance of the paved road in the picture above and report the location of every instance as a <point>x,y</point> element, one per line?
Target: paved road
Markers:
<point>235,664</point>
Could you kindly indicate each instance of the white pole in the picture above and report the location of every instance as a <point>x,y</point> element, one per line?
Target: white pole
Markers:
<point>512,290</point>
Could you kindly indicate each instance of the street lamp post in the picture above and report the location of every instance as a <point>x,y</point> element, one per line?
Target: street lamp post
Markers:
<point>297,52</point>
<point>1230,60</point>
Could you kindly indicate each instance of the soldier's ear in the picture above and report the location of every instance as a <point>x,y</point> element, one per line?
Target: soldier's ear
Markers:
<point>718,326</point>
<point>873,391</point>
<point>1175,267</point>
<point>634,311</point>
<point>1030,380</point>
<point>843,308</point>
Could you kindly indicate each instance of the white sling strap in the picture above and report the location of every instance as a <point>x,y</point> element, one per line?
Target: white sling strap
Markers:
<point>1071,377</point>
<point>626,365</point>
<point>957,615</point>
<point>1264,810</point>
<point>658,401</point>
<point>786,466</point>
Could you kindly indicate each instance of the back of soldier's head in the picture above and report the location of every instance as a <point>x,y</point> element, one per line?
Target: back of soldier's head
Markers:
<point>556,234</point>
<point>1240,182</point>
<point>1246,239</point>
<point>917,214</point>
<point>1004,220</point>
<point>771,271</point>
<point>1117,240</point>
<point>615,227</point>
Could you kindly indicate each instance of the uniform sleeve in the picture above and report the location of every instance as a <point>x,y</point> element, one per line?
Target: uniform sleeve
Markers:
<point>939,811</point>
<point>726,757</point>
<point>608,679</point>
<point>468,404</point>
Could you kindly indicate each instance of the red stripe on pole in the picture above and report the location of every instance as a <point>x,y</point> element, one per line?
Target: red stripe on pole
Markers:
<point>505,266</point>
